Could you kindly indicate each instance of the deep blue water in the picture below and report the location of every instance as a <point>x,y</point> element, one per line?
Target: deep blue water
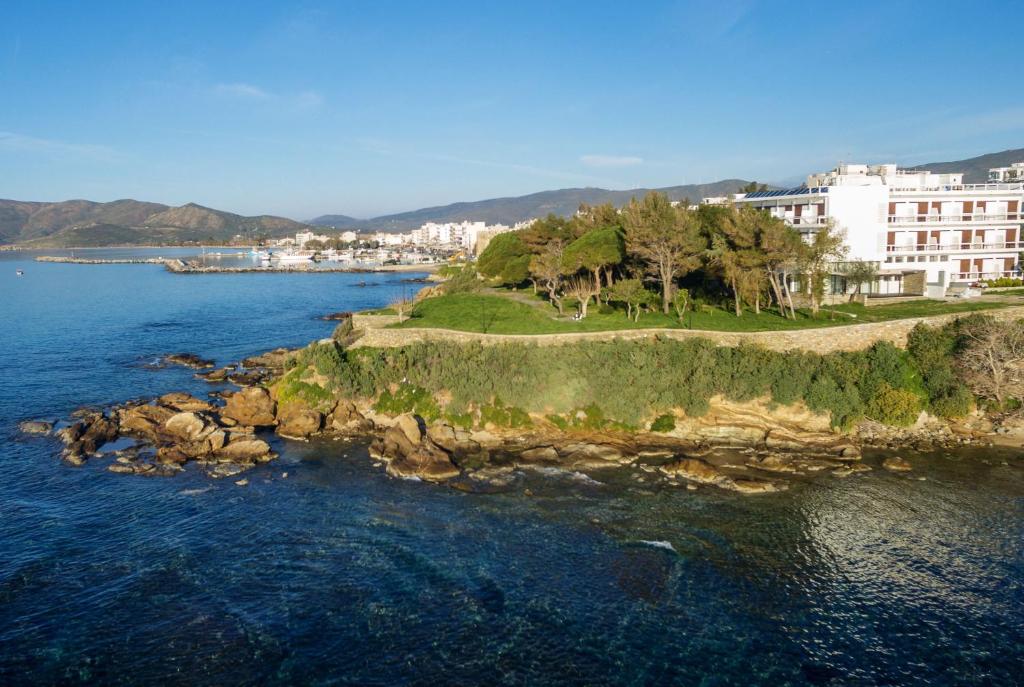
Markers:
<point>337,574</point>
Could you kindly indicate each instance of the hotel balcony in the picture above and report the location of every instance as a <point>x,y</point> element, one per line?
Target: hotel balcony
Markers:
<point>955,247</point>
<point>978,276</point>
<point>960,188</point>
<point>815,221</point>
<point>976,218</point>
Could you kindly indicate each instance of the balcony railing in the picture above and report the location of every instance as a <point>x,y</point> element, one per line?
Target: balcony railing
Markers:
<point>952,219</point>
<point>994,274</point>
<point>1010,186</point>
<point>937,248</point>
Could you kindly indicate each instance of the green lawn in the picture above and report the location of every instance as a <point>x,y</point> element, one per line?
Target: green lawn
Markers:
<point>497,314</point>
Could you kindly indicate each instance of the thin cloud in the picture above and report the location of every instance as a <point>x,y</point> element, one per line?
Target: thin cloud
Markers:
<point>242,90</point>
<point>611,160</point>
<point>31,144</point>
<point>303,100</point>
<point>308,100</point>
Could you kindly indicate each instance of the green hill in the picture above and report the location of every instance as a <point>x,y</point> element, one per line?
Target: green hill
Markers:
<point>82,223</point>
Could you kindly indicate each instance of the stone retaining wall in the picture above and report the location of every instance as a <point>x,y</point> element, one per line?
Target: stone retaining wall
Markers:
<point>819,340</point>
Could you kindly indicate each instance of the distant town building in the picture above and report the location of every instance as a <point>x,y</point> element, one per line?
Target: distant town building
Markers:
<point>1007,175</point>
<point>912,221</point>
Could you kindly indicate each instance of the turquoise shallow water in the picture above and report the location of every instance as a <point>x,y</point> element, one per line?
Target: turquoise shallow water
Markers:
<point>335,574</point>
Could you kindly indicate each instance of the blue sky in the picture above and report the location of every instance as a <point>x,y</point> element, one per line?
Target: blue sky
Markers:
<point>366,108</point>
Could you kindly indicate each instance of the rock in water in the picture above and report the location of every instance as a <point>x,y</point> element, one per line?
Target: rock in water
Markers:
<point>251,407</point>
<point>427,461</point>
<point>184,402</point>
<point>410,453</point>
<point>245,450</point>
<point>144,420</point>
<point>540,454</point>
<point>696,470</point>
<point>188,426</point>
<point>296,421</point>
<point>35,427</point>
<point>189,360</point>
<point>897,464</point>
<point>410,427</point>
<point>754,486</point>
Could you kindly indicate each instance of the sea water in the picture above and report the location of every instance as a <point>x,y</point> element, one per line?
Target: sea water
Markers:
<point>322,570</point>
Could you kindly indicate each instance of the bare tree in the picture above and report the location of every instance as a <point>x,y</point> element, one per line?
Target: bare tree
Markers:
<point>402,306</point>
<point>546,267</point>
<point>582,288</point>
<point>991,357</point>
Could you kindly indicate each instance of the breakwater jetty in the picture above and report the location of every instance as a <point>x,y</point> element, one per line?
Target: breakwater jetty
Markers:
<point>102,261</point>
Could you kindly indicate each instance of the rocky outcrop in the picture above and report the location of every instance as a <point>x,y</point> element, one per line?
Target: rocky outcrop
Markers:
<point>410,453</point>
<point>85,437</point>
<point>175,429</point>
<point>251,407</point>
<point>188,360</point>
<point>700,471</point>
<point>346,419</point>
<point>297,421</point>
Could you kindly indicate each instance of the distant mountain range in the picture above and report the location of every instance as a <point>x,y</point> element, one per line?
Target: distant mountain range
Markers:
<point>83,223</point>
<point>975,169</point>
<point>516,209</point>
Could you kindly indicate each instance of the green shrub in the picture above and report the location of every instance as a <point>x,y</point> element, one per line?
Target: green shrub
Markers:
<point>460,420</point>
<point>663,423</point>
<point>1004,281</point>
<point>292,388</point>
<point>558,421</point>
<point>501,415</point>
<point>895,407</point>
<point>933,349</point>
<point>408,399</point>
<point>626,382</point>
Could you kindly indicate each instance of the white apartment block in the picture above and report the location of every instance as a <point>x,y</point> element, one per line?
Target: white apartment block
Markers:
<point>912,221</point>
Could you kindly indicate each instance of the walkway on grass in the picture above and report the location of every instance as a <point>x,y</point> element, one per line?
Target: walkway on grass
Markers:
<point>849,337</point>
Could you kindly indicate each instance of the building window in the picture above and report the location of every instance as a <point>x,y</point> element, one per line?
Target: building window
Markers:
<point>899,258</point>
<point>888,258</point>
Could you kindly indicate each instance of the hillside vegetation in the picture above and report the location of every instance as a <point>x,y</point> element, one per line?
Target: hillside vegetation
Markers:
<point>628,384</point>
<point>83,223</point>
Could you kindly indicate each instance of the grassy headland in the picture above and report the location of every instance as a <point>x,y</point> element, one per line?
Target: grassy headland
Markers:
<point>504,312</point>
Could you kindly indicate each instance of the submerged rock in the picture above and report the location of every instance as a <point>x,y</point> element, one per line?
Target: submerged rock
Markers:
<point>35,427</point>
<point>897,464</point>
<point>754,486</point>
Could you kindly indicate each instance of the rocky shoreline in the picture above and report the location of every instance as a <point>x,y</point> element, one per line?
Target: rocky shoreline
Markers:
<point>748,448</point>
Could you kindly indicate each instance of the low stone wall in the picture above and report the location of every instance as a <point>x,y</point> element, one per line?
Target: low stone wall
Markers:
<point>819,340</point>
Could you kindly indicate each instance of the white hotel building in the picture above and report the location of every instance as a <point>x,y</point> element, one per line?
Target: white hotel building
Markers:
<point>912,221</point>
